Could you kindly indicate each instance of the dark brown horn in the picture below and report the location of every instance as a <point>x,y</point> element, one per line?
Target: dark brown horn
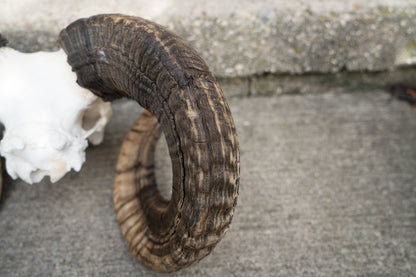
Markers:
<point>116,56</point>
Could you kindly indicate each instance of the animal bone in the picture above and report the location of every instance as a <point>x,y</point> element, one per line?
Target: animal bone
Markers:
<point>120,56</point>
<point>47,116</point>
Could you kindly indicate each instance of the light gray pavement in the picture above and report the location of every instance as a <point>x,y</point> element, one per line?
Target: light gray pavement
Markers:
<point>328,181</point>
<point>328,188</point>
<point>246,37</point>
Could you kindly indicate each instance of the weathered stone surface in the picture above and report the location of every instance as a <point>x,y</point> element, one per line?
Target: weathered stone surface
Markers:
<point>240,38</point>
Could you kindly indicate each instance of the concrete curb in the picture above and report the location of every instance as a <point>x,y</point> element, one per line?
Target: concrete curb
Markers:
<point>245,38</point>
<point>305,41</point>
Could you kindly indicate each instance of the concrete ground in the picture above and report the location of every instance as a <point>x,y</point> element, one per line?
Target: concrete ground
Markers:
<point>328,180</point>
<point>328,188</point>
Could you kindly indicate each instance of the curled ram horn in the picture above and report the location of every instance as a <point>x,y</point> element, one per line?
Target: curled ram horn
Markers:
<point>121,56</point>
<point>47,116</point>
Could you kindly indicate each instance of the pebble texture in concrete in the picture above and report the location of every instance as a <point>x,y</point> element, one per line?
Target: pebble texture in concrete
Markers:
<point>246,37</point>
<point>327,189</point>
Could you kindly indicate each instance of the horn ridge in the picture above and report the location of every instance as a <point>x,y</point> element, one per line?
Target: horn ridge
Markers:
<point>122,56</point>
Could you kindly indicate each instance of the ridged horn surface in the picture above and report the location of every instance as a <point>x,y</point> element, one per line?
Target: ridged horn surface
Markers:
<point>120,56</point>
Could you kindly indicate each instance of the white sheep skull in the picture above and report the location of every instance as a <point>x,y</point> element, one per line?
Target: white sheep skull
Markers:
<point>47,116</point>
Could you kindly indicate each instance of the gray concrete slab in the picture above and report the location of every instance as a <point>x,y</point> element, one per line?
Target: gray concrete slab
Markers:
<point>328,188</point>
<point>246,37</point>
